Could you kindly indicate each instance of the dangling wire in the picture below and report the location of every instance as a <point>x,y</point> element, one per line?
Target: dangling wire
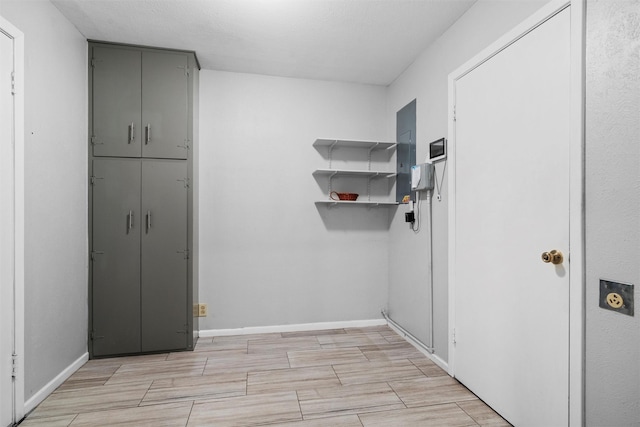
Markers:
<point>438,187</point>
<point>415,226</point>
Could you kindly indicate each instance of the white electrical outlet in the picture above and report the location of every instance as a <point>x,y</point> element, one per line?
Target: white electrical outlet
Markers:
<point>202,310</point>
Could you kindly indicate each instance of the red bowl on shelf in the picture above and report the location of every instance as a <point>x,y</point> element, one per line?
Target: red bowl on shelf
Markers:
<point>352,197</point>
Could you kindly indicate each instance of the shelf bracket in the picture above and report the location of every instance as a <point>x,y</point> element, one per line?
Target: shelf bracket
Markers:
<point>369,179</point>
<point>373,147</point>
<point>331,151</point>
<point>331,182</point>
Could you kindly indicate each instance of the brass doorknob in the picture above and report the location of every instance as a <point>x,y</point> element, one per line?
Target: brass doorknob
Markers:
<point>554,257</point>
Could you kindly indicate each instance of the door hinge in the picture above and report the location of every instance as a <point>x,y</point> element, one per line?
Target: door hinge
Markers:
<point>13,83</point>
<point>93,62</point>
<point>185,181</point>
<point>186,144</point>
<point>94,140</point>
<point>453,335</point>
<point>14,366</point>
<point>93,336</point>
<point>93,179</point>
<point>185,252</point>
<point>454,113</point>
<point>186,70</point>
<point>94,253</point>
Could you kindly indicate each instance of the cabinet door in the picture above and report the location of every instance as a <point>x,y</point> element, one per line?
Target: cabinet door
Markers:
<point>116,102</point>
<point>164,260</point>
<point>116,256</point>
<point>164,104</point>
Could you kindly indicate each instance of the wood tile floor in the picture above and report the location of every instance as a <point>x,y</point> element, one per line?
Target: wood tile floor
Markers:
<point>345,377</point>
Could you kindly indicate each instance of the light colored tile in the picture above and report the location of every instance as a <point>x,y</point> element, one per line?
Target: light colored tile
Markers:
<point>291,379</point>
<point>157,370</point>
<point>431,391</point>
<point>128,359</point>
<point>203,355</point>
<point>372,372</point>
<point>170,415</point>
<point>391,351</point>
<point>387,331</point>
<point>438,415</point>
<point>384,329</point>
<point>245,363</point>
<point>196,388</point>
<point>313,333</point>
<point>92,399</point>
<point>191,356</point>
<point>203,340</point>
<point>394,338</point>
<point>378,371</point>
<point>246,410</point>
<point>429,368</point>
<point>345,400</point>
<point>89,375</point>
<point>236,345</point>
<point>346,421</point>
<point>282,345</point>
<point>483,414</point>
<point>380,328</point>
<point>325,357</point>
<point>247,337</point>
<point>60,421</point>
<point>351,340</point>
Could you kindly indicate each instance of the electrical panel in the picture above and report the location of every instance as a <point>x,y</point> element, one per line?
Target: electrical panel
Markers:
<point>422,177</point>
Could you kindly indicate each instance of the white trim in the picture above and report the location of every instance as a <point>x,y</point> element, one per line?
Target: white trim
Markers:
<point>576,203</point>
<point>45,391</point>
<point>207,333</point>
<point>577,217</point>
<point>451,220</point>
<point>18,44</point>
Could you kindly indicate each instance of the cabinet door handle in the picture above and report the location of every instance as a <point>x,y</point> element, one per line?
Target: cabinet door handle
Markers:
<point>132,133</point>
<point>148,139</point>
<point>148,221</point>
<point>129,221</point>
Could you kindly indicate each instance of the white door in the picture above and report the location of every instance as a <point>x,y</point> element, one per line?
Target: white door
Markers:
<point>6,231</point>
<point>511,149</point>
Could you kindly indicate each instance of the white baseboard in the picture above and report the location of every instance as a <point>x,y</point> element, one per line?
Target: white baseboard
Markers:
<point>432,356</point>
<point>206,333</point>
<point>45,391</point>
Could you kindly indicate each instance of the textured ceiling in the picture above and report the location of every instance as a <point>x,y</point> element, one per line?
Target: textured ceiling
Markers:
<point>364,41</point>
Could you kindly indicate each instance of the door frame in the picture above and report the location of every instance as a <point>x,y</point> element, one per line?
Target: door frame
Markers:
<point>18,220</point>
<point>576,193</point>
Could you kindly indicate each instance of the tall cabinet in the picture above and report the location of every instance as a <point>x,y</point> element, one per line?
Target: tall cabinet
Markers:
<point>140,216</point>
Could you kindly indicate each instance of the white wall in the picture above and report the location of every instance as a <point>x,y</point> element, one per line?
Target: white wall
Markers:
<point>612,208</point>
<point>56,190</point>
<point>426,80</point>
<point>267,254</point>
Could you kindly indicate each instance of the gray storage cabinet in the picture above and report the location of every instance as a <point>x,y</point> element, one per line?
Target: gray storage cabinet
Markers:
<point>140,103</point>
<point>141,124</point>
